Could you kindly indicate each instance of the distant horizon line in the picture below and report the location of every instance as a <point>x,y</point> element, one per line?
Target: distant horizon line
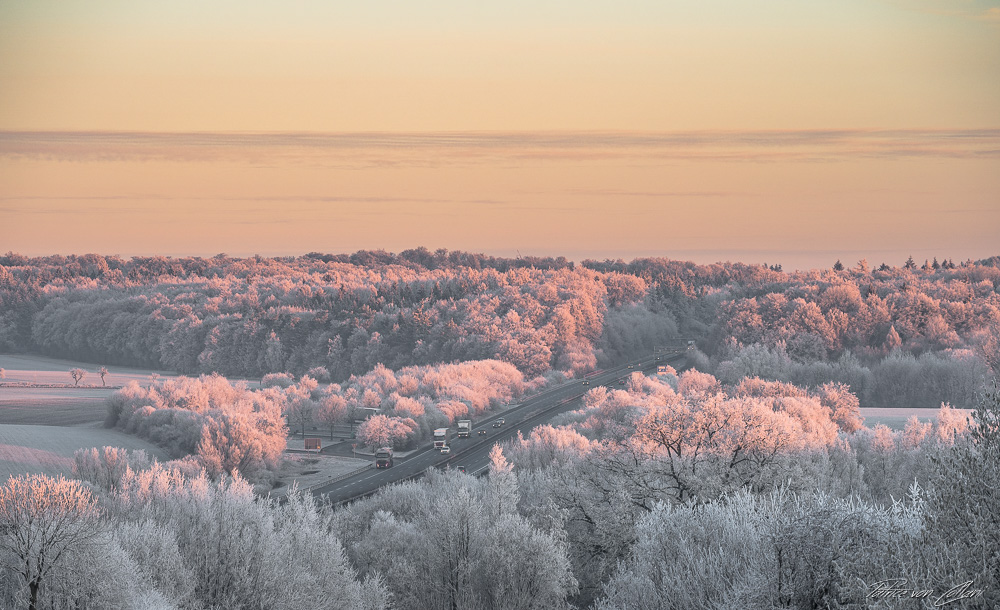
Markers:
<point>985,130</point>
<point>633,258</point>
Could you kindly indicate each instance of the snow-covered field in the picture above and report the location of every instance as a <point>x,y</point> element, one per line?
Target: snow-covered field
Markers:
<point>22,368</point>
<point>52,406</point>
<point>41,427</point>
<point>49,449</point>
<point>896,418</point>
<point>35,403</point>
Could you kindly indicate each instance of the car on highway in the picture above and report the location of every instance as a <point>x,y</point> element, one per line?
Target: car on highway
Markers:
<point>461,468</point>
<point>482,433</point>
<point>498,423</point>
<point>621,381</point>
<point>446,449</point>
<point>586,382</point>
<point>629,366</point>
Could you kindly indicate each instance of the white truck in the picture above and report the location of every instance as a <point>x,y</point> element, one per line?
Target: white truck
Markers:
<point>440,438</point>
<point>464,428</point>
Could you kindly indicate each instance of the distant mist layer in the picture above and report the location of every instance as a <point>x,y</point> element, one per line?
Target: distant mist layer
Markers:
<point>799,198</point>
<point>776,145</point>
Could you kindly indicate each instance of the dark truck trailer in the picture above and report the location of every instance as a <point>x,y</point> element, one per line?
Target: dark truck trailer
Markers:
<point>383,458</point>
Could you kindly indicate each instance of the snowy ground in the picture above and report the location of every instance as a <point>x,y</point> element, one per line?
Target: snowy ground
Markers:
<point>52,406</point>
<point>22,368</point>
<point>49,449</point>
<point>311,469</point>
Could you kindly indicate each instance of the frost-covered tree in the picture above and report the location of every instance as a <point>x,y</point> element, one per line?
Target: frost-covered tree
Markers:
<point>383,431</point>
<point>300,403</point>
<point>46,523</point>
<point>228,427</point>
<point>446,534</point>
<point>844,406</point>
<point>501,490</point>
<point>776,550</point>
<point>106,466</point>
<point>274,354</point>
<point>964,503</point>
<point>332,411</point>
<point>949,425</point>
<point>224,546</point>
<point>915,432</point>
<point>277,380</point>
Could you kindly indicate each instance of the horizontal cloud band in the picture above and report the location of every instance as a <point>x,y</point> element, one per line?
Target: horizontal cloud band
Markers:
<point>424,148</point>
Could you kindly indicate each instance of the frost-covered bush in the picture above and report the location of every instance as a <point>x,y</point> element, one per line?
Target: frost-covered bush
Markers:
<point>277,380</point>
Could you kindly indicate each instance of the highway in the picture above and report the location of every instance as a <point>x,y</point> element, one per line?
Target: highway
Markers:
<point>473,453</point>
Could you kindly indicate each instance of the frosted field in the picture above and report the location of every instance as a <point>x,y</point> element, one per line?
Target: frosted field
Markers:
<point>52,406</point>
<point>69,406</point>
<point>896,418</point>
<point>49,449</point>
<point>21,368</point>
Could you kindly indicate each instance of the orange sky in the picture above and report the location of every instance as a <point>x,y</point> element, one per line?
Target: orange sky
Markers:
<point>696,130</point>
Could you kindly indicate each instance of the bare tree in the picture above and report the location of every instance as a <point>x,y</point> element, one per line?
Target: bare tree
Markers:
<point>77,375</point>
<point>103,371</point>
<point>45,520</point>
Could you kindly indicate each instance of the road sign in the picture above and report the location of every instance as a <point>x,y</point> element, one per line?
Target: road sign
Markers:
<point>312,444</point>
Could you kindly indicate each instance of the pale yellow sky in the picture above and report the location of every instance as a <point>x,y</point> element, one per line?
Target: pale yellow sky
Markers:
<point>687,129</point>
<point>446,65</point>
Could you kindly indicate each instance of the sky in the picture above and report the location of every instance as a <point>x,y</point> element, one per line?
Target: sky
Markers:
<point>785,132</point>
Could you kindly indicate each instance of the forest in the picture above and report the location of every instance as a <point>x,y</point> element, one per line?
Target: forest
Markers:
<point>745,479</point>
<point>879,330</point>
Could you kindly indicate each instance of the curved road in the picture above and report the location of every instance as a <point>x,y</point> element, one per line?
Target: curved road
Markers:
<point>473,453</point>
